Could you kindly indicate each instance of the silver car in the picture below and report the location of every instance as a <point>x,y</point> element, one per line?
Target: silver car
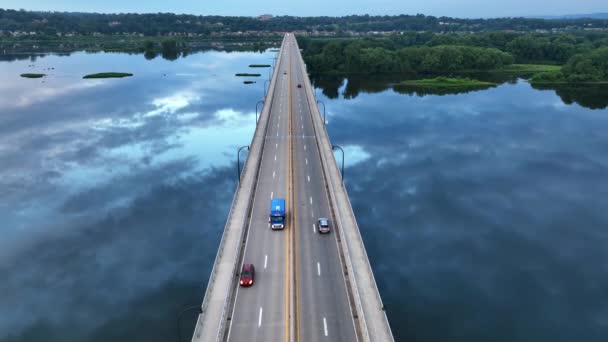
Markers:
<point>323,225</point>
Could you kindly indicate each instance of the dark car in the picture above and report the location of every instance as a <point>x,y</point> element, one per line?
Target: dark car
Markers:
<point>299,85</point>
<point>247,275</point>
<point>323,225</point>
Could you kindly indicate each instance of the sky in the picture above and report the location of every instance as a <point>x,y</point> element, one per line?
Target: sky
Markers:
<point>452,8</point>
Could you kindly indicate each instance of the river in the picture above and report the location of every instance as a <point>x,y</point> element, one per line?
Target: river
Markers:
<point>484,213</point>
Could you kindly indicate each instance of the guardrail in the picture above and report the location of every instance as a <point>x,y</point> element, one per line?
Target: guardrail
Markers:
<point>256,141</point>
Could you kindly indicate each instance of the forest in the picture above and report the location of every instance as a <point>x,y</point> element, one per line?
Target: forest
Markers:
<point>583,55</point>
<point>153,24</point>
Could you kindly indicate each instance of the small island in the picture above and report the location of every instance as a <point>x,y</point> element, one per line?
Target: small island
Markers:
<point>33,75</point>
<point>248,82</point>
<point>244,74</point>
<point>259,65</point>
<point>109,75</point>
<point>445,82</point>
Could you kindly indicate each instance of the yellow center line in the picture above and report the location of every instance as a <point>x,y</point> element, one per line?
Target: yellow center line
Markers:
<point>295,247</point>
<point>288,205</point>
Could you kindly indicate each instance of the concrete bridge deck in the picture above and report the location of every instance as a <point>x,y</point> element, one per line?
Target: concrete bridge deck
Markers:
<point>309,286</point>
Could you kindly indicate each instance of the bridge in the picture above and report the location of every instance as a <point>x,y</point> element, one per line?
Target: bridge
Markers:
<point>308,286</point>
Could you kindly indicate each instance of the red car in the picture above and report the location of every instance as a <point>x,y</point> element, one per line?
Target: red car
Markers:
<point>247,275</point>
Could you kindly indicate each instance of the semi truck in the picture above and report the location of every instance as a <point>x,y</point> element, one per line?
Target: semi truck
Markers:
<point>277,213</point>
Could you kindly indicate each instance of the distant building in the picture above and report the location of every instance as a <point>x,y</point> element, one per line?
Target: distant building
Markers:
<point>265,17</point>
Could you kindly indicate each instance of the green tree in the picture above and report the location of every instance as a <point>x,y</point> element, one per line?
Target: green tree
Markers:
<point>149,45</point>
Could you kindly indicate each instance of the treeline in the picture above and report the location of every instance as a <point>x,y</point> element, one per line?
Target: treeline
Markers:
<point>524,47</point>
<point>451,53</point>
<point>529,48</point>
<point>337,57</point>
<point>587,67</point>
<point>50,23</point>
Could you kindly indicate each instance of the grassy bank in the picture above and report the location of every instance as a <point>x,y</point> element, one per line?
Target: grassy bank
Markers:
<point>445,82</point>
<point>109,75</point>
<point>530,68</point>
<point>33,75</point>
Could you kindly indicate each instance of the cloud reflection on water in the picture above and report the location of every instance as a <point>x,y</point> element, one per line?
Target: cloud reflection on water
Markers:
<point>482,227</point>
<point>115,192</point>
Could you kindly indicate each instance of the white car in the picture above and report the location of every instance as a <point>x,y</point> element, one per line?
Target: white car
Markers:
<point>323,225</point>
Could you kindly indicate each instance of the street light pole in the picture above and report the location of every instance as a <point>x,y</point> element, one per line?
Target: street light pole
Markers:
<point>256,111</point>
<point>274,59</point>
<point>265,87</point>
<point>334,147</point>
<point>321,102</point>
<point>238,162</point>
<point>179,317</point>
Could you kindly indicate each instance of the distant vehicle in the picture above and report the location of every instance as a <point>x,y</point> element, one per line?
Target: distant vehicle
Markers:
<point>299,85</point>
<point>284,72</point>
<point>247,275</point>
<point>277,213</point>
<point>323,225</point>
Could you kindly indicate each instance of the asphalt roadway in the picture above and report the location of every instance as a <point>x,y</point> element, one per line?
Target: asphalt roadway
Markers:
<point>299,292</point>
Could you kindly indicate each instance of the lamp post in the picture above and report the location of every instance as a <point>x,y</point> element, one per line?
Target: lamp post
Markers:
<point>274,59</point>
<point>334,147</point>
<point>179,317</point>
<point>265,87</point>
<point>256,111</point>
<point>321,102</point>
<point>238,162</point>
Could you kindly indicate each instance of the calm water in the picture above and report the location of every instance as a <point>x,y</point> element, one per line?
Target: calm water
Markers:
<point>484,213</point>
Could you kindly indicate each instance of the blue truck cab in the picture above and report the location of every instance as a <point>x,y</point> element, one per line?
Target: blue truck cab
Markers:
<point>277,213</point>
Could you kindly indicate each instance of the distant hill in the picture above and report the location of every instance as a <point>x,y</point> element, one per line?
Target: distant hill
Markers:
<point>26,23</point>
<point>573,16</point>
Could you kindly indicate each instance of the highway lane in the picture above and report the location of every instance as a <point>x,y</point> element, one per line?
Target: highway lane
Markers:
<point>323,309</point>
<point>260,311</point>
